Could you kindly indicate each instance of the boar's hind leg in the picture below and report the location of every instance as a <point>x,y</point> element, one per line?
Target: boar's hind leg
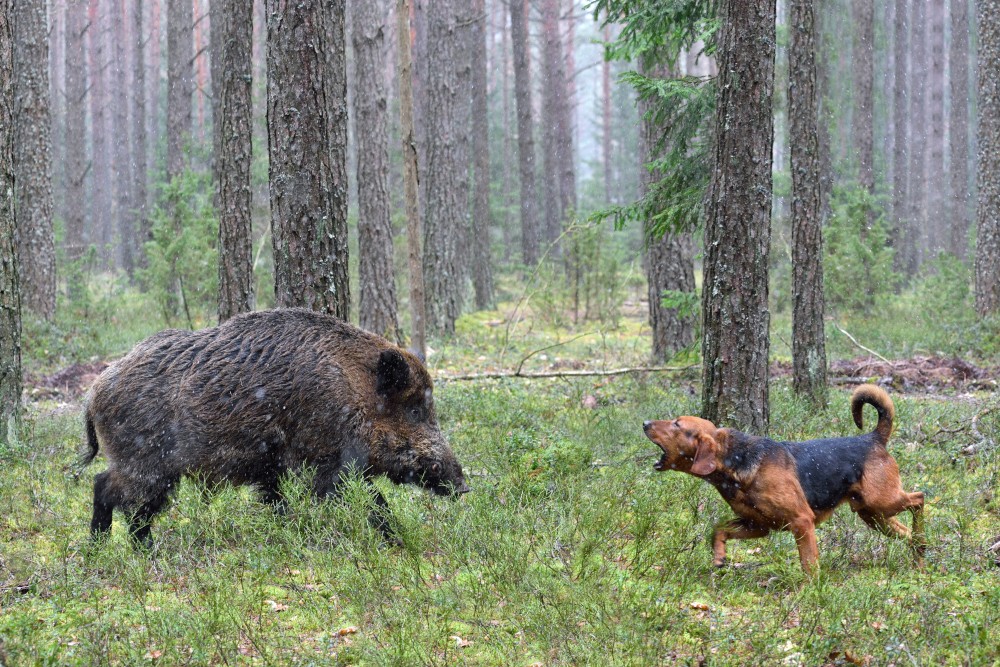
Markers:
<point>104,503</point>
<point>141,513</point>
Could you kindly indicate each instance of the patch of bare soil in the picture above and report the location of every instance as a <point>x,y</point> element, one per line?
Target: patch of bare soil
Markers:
<point>916,374</point>
<point>68,384</point>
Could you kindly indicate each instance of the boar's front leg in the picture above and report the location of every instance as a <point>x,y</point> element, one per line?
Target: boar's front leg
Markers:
<point>327,482</point>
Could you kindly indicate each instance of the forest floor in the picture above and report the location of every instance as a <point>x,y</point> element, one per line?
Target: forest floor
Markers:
<point>570,550</point>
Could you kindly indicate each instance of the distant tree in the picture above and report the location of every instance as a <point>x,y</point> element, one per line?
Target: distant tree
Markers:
<point>958,136</point>
<point>180,84</point>
<point>10,297</point>
<point>121,149</point>
<point>863,17</point>
<point>911,241</point>
<point>553,119</point>
<point>988,174</point>
<point>307,143</point>
<point>376,275</point>
<point>99,198</point>
<point>808,340</point>
<point>937,225</point>
<point>414,226</point>
<point>32,157</point>
<point>525,131</point>
<point>232,113</point>
<point>737,227</point>
<point>668,256</point>
<point>77,166</point>
<point>482,276</point>
<point>140,164</point>
<point>446,177</point>
<point>900,113</point>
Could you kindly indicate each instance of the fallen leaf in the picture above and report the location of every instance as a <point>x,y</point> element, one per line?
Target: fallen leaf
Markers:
<point>276,606</point>
<point>153,655</point>
<point>459,642</point>
<point>699,605</point>
<point>349,630</point>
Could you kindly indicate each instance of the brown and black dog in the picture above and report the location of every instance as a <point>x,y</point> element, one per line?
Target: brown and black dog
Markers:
<point>795,486</point>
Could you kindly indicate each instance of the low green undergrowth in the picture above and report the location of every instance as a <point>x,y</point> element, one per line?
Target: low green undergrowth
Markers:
<point>570,550</point>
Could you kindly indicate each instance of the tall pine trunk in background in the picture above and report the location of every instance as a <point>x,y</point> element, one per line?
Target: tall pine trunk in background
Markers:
<point>101,212</point>
<point>913,236</point>
<point>376,275</point>
<point>482,275</point>
<point>77,167</point>
<point>138,93</point>
<point>10,297</point>
<point>32,158</point>
<point>988,167</point>
<point>606,122</point>
<point>552,85</point>
<point>446,177</point>
<point>808,340</point>
<point>414,224</point>
<point>900,113</point>
<point>937,231</point>
<point>120,144</point>
<point>667,258</point>
<point>738,221</point>
<point>180,85</point>
<point>232,115</point>
<point>307,142</point>
<point>525,131</point>
<point>863,15</point>
<point>958,64</point>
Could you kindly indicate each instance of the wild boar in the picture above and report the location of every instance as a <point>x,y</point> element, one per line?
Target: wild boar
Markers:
<point>259,396</point>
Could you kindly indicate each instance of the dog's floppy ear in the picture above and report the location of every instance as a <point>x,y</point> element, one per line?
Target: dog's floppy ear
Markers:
<point>704,456</point>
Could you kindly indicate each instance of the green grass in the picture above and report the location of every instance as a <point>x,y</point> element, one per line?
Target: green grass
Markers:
<point>570,550</point>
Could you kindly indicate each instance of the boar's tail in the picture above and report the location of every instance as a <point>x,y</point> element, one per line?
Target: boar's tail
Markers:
<point>92,444</point>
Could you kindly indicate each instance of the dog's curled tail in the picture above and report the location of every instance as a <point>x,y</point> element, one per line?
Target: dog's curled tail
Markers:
<point>878,399</point>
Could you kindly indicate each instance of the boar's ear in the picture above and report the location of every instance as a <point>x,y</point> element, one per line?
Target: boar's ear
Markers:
<point>392,373</point>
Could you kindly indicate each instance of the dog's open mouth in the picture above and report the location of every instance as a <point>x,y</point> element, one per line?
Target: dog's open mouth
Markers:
<point>662,463</point>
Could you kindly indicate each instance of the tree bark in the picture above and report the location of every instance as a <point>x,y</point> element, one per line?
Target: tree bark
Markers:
<point>120,145</point>
<point>900,169</point>
<point>232,114</point>
<point>100,200</point>
<point>525,131</point>
<point>553,121</point>
<point>668,259</point>
<point>76,131</point>
<point>140,219</point>
<point>10,299</point>
<point>377,277</point>
<point>737,229</point>
<point>447,175</point>
<point>307,141</point>
<point>482,276</point>
<point>958,63</point>
<point>606,122</point>
<point>180,85</point>
<point>808,340</point>
<point>937,234</point>
<point>32,158</point>
<point>863,16</point>
<point>988,175</point>
<point>414,226</point>
<point>912,239</point>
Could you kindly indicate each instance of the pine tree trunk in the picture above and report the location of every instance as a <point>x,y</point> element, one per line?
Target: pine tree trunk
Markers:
<point>101,217</point>
<point>958,63</point>
<point>414,225</point>
<point>482,276</point>
<point>900,112</point>
<point>507,222</point>
<point>606,122</point>
<point>552,70</point>
<point>77,166</point>
<point>668,259</point>
<point>232,114</point>
<point>180,85</point>
<point>10,298</point>
<point>140,219</point>
<point>447,174</point>
<point>120,145</point>
<point>307,141</point>
<point>808,341</point>
<point>737,228</point>
<point>525,131</point>
<point>864,75</point>
<point>57,104</point>
<point>988,209</point>
<point>32,158</point>
<point>936,185</point>
<point>912,241</point>
<point>377,277</point>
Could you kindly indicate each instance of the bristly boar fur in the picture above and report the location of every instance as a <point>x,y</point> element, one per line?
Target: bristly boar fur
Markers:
<point>254,398</point>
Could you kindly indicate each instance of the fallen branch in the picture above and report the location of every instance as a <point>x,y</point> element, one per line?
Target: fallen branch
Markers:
<point>855,341</point>
<point>983,442</point>
<point>559,374</point>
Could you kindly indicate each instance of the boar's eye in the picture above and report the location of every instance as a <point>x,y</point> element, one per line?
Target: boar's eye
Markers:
<point>415,413</point>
